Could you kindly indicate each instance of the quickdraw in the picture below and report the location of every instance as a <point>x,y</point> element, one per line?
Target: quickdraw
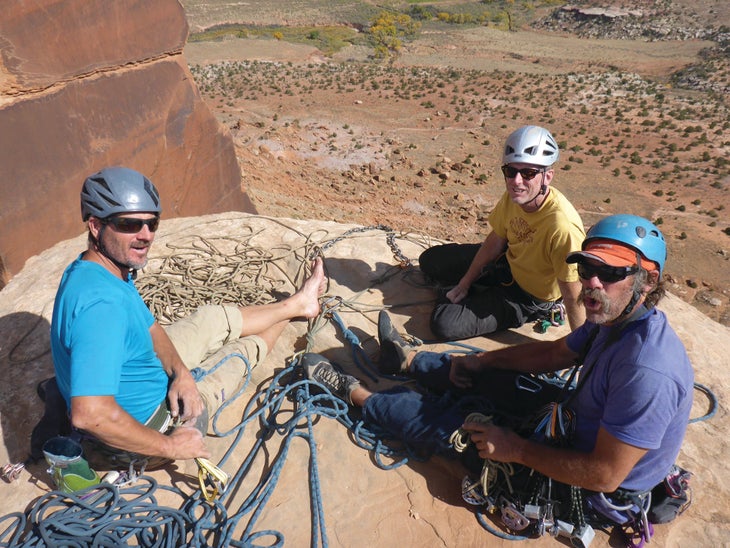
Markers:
<point>213,481</point>
<point>527,505</point>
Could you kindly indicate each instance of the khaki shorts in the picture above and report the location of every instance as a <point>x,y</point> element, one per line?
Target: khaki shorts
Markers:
<point>209,340</point>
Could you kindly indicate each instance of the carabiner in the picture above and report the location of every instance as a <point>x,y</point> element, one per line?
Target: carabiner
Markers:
<point>528,384</point>
<point>213,481</point>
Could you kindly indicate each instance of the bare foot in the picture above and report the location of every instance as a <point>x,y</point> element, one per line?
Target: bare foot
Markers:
<point>312,289</point>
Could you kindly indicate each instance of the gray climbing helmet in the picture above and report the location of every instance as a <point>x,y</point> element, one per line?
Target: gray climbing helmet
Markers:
<point>531,145</point>
<point>116,190</point>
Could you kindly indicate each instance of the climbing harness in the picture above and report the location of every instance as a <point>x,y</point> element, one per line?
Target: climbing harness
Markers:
<point>527,502</point>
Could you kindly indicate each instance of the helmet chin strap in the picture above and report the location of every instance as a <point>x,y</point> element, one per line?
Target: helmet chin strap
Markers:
<point>635,296</point>
<point>542,192</point>
<point>102,249</point>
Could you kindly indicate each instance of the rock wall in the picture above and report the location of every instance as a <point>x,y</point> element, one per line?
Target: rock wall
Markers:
<point>86,84</point>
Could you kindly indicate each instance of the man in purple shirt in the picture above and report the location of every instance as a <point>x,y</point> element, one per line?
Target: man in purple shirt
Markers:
<point>634,395</point>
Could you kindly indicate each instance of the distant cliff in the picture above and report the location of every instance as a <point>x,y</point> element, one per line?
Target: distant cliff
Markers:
<point>86,84</point>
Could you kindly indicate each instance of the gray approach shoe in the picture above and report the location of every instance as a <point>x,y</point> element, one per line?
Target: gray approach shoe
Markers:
<point>393,349</point>
<point>321,370</point>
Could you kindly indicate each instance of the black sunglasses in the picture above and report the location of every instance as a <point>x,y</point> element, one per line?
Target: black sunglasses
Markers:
<point>130,225</point>
<point>526,172</point>
<point>605,273</point>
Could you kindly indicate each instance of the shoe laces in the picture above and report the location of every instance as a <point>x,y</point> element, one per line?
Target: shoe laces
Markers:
<point>331,378</point>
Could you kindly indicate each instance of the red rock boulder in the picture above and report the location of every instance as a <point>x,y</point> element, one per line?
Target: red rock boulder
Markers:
<point>86,84</point>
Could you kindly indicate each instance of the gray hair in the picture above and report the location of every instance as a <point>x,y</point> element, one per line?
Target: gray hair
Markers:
<point>655,294</point>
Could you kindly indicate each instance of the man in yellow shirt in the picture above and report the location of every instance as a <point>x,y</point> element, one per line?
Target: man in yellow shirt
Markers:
<point>518,274</point>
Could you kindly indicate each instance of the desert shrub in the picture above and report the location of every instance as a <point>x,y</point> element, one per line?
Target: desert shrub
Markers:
<point>421,13</point>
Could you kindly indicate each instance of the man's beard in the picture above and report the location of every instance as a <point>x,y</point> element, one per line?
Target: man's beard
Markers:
<point>597,295</point>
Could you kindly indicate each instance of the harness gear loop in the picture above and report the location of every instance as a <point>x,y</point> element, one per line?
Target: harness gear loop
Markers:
<point>213,481</point>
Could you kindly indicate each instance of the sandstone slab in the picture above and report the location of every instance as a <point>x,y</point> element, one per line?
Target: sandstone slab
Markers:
<point>417,504</point>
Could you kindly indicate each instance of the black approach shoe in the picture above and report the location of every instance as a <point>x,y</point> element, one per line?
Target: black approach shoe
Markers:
<point>393,349</point>
<point>321,370</point>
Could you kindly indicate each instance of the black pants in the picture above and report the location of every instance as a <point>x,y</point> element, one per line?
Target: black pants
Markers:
<point>495,302</point>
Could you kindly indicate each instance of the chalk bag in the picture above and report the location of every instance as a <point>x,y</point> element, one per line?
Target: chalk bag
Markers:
<point>68,468</point>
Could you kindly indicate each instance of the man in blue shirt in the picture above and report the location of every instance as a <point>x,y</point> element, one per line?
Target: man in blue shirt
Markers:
<point>124,377</point>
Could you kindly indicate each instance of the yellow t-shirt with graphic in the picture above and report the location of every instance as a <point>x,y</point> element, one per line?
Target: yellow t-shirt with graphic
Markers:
<point>539,242</point>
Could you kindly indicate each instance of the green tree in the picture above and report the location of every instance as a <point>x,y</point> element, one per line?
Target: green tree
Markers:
<point>388,29</point>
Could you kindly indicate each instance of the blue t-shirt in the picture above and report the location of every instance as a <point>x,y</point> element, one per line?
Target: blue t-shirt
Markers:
<point>101,341</point>
<point>639,391</point>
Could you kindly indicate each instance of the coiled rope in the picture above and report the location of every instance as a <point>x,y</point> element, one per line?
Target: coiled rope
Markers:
<point>107,515</point>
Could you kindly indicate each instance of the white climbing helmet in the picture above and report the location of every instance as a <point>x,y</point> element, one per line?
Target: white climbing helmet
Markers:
<point>531,145</point>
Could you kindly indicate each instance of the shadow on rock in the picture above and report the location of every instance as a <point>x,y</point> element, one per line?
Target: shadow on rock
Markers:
<point>25,360</point>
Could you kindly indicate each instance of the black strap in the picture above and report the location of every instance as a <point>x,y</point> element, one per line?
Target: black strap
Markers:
<point>567,395</point>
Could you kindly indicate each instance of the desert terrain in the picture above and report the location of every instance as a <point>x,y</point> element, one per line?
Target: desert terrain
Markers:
<point>413,142</point>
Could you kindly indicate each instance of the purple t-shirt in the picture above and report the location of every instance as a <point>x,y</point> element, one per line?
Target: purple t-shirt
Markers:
<point>639,391</point>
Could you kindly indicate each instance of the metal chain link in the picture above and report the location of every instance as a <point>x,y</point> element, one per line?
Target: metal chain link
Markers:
<point>403,261</point>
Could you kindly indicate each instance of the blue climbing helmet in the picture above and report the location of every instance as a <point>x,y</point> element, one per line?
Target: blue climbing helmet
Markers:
<point>633,231</point>
<point>116,190</point>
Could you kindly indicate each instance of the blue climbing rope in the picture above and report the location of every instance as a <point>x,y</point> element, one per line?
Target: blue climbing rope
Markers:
<point>110,515</point>
<point>713,403</point>
<point>361,359</point>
